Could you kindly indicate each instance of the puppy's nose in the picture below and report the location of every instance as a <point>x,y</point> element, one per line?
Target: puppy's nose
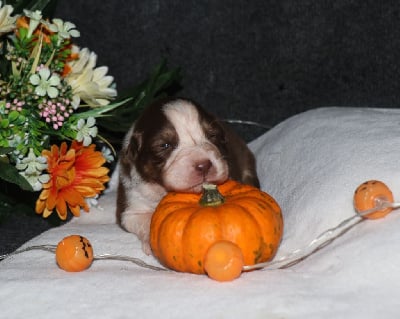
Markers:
<point>203,167</point>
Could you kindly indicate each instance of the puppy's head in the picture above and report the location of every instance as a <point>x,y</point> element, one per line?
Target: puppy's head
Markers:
<point>178,145</point>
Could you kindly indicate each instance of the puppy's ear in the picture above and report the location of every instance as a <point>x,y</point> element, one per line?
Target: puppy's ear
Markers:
<point>130,152</point>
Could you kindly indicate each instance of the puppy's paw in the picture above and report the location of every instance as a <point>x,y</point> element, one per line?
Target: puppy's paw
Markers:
<point>146,248</point>
<point>138,224</point>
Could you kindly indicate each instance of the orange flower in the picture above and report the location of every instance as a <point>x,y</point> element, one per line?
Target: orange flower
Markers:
<point>23,22</point>
<point>71,57</point>
<point>75,174</point>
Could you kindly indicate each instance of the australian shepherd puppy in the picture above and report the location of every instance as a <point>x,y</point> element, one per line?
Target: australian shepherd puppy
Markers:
<point>175,145</point>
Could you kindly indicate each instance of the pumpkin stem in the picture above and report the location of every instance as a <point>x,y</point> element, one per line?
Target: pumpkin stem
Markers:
<point>211,196</point>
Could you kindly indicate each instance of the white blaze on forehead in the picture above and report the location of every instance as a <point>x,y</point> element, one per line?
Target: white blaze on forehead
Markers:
<point>185,118</point>
<point>181,170</point>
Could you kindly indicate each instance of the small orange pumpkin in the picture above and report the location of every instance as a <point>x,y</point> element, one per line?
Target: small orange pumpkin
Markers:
<point>74,253</point>
<point>223,261</point>
<point>185,225</point>
<point>366,195</point>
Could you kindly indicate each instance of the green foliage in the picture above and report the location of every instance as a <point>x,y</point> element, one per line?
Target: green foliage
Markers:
<point>10,174</point>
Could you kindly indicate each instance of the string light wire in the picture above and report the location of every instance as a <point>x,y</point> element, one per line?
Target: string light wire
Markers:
<point>251,123</point>
<point>52,249</point>
<point>293,258</point>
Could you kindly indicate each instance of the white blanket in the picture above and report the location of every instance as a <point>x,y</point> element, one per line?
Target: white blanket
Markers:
<point>311,163</point>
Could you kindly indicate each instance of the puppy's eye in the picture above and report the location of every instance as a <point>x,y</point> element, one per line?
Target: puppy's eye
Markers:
<point>165,146</point>
<point>216,137</point>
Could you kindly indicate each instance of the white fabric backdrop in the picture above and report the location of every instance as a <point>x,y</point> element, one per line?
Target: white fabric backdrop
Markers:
<point>311,164</point>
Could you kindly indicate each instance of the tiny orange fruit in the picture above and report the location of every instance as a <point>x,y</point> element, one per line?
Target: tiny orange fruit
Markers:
<point>223,261</point>
<point>74,253</point>
<point>366,196</point>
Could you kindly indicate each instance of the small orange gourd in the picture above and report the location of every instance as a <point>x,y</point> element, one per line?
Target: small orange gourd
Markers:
<point>184,226</point>
<point>74,253</point>
<point>366,195</point>
<point>223,261</point>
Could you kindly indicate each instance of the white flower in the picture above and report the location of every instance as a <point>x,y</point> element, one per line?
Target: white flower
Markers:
<point>32,168</point>
<point>92,201</point>
<point>7,22</point>
<point>90,84</point>
<point>15,141</point>
<point>34,19</point>
<point>86,130</point>
<point>75,101</point>
<point>107,154</point>
<point>65,30</point>
<point>45,83</point>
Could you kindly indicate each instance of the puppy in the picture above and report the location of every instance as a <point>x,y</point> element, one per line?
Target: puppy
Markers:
<point>175,145</point>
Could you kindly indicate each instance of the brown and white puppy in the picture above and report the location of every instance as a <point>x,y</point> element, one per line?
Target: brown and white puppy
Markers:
<point>175,145</point>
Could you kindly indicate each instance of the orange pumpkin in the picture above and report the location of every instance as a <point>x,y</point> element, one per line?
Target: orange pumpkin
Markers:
<point>185,225</point>
<point>223,261</point>
<point>366,196</point>
<point>74,253</point>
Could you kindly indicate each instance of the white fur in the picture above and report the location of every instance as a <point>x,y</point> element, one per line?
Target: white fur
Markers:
<point>180,173</point>
<point>142,200</point>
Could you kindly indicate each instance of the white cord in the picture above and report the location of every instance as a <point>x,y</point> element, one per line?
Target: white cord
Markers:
<point>324,239</point>
<point>52,249</point>
<point>232,121</point>
<point>315,245</point>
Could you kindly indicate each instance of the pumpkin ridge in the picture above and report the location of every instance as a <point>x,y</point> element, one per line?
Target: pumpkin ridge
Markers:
<point>240,227</point>
<point>174,197</point>
<point>202,229</point>
<point>269,223</point>
<point>169,238</point>
<point>239,193</point>
<point>227,187</point>
<point>262,198</point>
<point>165,210</point>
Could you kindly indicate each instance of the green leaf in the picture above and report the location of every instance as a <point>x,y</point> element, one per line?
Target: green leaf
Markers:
<point>10,174</point>
<point>13,115</point>
<point>99,111</point>
<point>23,32</point>
<point>4,123</point>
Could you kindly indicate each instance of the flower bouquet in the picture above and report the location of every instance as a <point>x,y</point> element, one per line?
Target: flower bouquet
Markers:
<point>53,98</point>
